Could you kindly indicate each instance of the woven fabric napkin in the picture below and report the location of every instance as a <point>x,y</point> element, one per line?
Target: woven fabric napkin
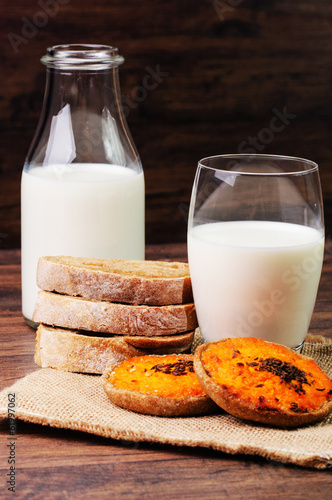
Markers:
<point>77,401</point>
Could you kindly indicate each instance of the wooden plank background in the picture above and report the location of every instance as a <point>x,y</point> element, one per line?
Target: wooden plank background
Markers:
<point>227,66</point>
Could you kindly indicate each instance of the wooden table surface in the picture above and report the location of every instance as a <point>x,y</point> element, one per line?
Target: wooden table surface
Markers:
<point>59,464</point>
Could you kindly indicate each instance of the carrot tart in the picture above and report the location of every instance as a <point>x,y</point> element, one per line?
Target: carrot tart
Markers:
<point>157,385</point>
<point>263,382</point>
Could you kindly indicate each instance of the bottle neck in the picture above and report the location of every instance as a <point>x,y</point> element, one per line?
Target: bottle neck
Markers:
<point>83,89</point>
<point>85,106</point>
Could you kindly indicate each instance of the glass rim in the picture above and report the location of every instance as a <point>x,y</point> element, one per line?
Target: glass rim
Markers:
<point>82,56</point>
<point>311,165</point>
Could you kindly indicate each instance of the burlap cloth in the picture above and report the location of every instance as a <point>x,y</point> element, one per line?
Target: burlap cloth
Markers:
<point>78,402</point>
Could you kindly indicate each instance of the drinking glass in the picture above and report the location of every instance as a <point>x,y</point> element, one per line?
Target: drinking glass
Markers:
<point>255,246</point>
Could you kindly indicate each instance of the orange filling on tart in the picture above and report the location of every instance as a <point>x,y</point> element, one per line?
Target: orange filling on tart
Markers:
<point>169,376</point>
<point>267,375</point>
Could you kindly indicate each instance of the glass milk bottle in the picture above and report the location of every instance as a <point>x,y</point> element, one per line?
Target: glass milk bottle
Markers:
<point>82,190</point>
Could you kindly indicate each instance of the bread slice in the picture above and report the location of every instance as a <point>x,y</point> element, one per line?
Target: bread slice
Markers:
<point>73,351</point>
<point>157,385</point>
<point>100,316</point>
<point>114,280</point>
<point>179,342</point>
<point>263,382</point>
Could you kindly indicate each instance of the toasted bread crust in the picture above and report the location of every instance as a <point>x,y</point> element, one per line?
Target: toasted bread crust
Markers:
<point>114,280</point>
<point>107,317</point>
<point>242,407</point>
<point>181,341</point>
<point>70,350</point>
<point>151,404</point>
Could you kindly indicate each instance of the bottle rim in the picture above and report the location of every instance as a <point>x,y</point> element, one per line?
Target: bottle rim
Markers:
<point>82,56</point>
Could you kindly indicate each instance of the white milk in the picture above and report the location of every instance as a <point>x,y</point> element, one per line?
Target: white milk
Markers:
<point>83,210</point>
<point>255,279</point>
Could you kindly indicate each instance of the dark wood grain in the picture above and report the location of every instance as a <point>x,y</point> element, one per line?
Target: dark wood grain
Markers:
<point>229,65</point>
<point>62,464</point>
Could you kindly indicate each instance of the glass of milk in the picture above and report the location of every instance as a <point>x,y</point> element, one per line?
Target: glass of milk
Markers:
<point>255,246</point>
<point>82,190</point>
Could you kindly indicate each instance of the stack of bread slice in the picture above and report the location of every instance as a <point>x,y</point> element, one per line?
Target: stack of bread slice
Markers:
<point>92,312</point>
